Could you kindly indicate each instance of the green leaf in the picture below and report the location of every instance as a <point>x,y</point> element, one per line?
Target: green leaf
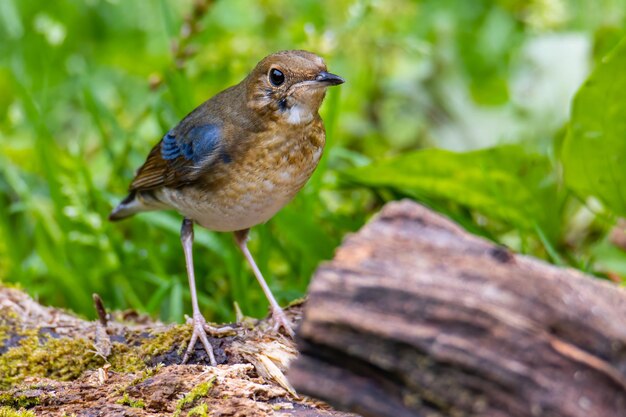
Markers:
<point>609,258</point>
<point>505,183</point>
<point>594,151</point>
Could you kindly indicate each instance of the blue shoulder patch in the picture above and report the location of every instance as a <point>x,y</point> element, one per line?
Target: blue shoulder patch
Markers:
<point>169,147</point>
<point>196,145</point>
<point>202,141</point>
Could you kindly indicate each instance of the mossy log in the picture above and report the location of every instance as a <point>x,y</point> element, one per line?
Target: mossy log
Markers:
<point>416,317</point>
<point>53,363</point>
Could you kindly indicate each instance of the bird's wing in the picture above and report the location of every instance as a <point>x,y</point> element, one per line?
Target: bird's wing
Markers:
<point>181,157</point>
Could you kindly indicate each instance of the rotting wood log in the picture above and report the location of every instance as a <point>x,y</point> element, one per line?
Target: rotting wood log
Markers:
<point>417,317</point>
<point>52,363</point>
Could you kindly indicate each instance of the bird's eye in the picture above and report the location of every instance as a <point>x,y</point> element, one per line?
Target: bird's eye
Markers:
<point>276,77</point>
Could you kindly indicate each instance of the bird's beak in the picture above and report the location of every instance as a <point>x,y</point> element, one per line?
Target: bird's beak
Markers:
<point>328,78</point>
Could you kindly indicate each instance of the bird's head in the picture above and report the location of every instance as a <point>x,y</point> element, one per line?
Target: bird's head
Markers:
<point>289,86</point>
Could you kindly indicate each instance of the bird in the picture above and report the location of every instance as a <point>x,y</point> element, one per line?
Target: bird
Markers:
<point>237,159</point>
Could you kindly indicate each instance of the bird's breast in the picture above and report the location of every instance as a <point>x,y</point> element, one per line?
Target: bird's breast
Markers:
<point>255,185</point>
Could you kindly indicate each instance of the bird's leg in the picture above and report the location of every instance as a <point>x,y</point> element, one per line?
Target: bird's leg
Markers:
<point>199,323</point>
<point>280,319</point>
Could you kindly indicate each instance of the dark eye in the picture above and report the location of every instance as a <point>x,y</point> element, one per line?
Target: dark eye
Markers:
<point>276,77</point>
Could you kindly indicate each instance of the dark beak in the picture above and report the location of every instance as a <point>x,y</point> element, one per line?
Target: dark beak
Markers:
<point>328,78</point>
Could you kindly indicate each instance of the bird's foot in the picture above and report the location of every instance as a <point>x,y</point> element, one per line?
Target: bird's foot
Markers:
<point>200,328</point>
<point>281,321</point>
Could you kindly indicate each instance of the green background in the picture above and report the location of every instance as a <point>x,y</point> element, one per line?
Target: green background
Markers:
<point>478,109</point>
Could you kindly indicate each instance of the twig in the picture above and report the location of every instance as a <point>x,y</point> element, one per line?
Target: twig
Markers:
<point>181,48</point>
<point>102,341</point>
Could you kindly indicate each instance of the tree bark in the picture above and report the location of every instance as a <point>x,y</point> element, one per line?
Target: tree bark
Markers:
<point>416,317</point>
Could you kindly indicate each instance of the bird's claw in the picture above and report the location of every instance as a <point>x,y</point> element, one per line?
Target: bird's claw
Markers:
<point>200,328</point>
<point>220,331</point>
<point>281,321</point>
<point>212,330</point>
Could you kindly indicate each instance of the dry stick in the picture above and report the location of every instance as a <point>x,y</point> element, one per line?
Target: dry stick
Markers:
<point>102,342</point>
<point>100,310</point>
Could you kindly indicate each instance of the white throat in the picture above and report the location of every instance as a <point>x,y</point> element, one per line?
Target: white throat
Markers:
<point>298,114</point>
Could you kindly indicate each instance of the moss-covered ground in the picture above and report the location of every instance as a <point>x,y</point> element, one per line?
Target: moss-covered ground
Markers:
<point>54,363</point>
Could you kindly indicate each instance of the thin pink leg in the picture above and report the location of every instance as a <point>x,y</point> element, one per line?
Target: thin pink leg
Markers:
<point>199,323</point>
<point>280,319</point>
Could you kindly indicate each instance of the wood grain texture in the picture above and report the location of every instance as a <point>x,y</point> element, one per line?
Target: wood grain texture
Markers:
<point>416,317</point>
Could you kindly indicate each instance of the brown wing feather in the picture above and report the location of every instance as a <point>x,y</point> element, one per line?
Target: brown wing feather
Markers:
<point>157,172</point>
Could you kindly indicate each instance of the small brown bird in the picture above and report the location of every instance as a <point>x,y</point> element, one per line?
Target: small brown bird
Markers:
<point>236,160</point>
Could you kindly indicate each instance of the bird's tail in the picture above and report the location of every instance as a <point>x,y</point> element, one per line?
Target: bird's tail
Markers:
<point>132,204</point>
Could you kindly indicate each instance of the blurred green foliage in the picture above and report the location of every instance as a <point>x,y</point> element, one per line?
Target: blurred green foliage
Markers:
<point>87,87</point>
<point>505,182</point>
<point>594,152</point>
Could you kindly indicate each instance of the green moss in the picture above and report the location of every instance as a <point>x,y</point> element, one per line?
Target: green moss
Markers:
<point>163,341</point>
<point>67,359</point>
<point>296,302</point>
<point>147,373</point>
<point>199,410</point>
<point>10,412</point>
<point>9,324</point>
<point>126,359</point>
<point>62,359</point>
<point>199,391</point>
<point>126,400</point>
<point>4,332</point>
<point>18,401</point>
